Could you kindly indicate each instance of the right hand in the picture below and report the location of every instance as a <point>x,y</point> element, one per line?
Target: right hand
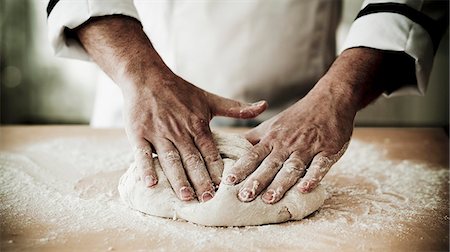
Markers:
<point>169,116</point>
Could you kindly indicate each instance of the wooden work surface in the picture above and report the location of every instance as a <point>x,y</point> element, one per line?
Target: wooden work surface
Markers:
<point>36,155</point>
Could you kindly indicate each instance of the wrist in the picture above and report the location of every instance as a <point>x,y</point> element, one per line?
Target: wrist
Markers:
<point>135,77</point>
<point>129,59</point>
<point>338,96</point>
<point>356,77</point>
<point>152,81</point>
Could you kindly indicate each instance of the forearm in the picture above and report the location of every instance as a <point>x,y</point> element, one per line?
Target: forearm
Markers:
<point>121,48</point>
<point>360,75</point>
<point>357,70</point>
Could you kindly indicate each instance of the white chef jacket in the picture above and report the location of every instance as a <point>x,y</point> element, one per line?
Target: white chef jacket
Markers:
<point>251,50</point>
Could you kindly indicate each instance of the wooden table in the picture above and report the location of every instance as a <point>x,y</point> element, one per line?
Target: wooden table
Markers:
<point>58,191</point>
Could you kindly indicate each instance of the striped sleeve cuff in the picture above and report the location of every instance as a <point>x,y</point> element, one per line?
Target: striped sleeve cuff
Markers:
<point>398,27</point>
<point>64,15</point>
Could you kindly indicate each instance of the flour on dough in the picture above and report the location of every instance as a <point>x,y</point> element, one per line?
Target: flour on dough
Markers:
<point>224,209</point>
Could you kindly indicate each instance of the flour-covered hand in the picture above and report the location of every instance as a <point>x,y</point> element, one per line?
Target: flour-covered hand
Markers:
<point>170,116</point>
<point>164,114</point>
<point>300,144</point>
<point>303,141</point>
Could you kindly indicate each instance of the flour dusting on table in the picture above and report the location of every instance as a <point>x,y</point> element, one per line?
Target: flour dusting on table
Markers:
<point>67,189</point>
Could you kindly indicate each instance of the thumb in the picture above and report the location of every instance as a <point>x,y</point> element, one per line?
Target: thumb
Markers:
<point>231,108</point>
<point>253,135</point>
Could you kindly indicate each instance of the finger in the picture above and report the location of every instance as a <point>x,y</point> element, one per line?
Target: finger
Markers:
<point>231,108</point>
<point>196,170</point>
<point>254,135</point>
<point>144,162</point>
<point>170,161</point>
<point>293,169</point>
<point>210,154</point>
<point>246,164</point>
<point>263,175</point>
<point>320,166</point>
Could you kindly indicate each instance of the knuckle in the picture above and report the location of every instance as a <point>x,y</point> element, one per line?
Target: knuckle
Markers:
<point>295,161</point>
<point>171,157</point>
<point>200,127</point>
<point>317,177</point>
<point>213,158</point>
<point>139,132</point>
<point>294,164</point>
<point>257,153</point>
<point>307,185</point>
<point>247,113</point>
<point>321,170</point>
<point>273,135</point>
<point>323,161</point>
<point>193,161</point>
<point>253,155</point>
<point>272,164</point>
<point>143,151</point>
<point>206,143</point>
<point>295,168</point>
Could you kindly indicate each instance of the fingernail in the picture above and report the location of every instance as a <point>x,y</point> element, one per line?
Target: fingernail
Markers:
<point>258,103</point>
<point>269,196</point>
<point>245,194</point>
<point>150,181</point>
<point>230,179</point>
<point>186,193</point>
<point>304,186</point>
<point>206,196</point>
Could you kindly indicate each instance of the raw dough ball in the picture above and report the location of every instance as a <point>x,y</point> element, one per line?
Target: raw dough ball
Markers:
<point>224,209</point>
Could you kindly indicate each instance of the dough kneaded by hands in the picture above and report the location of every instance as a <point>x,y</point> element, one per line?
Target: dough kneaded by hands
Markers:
<point>224,209</point>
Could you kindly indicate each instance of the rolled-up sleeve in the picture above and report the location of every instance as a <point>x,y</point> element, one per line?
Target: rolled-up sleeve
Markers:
<point>64,15</point>
<point>402,26</point>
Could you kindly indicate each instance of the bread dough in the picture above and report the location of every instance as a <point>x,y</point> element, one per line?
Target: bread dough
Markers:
<point>224,209</point>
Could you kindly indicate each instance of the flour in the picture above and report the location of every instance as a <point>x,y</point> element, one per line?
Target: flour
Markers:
<point>63,191</point>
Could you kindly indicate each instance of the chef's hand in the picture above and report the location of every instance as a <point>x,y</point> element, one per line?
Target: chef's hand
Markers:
<point>169,116</point>
<point>163,113</point>
<point>305,140</point>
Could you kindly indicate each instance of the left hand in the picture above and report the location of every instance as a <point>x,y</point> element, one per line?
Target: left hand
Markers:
<point>305,140</point>
<point>313,131</point>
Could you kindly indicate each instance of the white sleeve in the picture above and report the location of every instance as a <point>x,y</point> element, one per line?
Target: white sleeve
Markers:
<point>400,26</point>
<point>64,15</point>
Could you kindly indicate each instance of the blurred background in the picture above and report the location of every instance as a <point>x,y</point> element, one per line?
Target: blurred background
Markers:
<point>39,88</point>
